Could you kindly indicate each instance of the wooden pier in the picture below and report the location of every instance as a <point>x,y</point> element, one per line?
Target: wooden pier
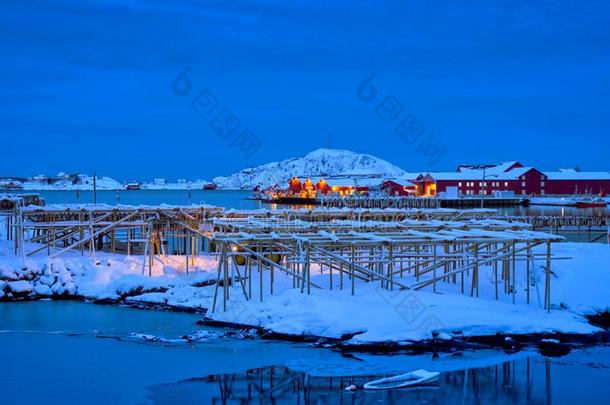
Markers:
<point>399,202</point>
<point>395,249</point>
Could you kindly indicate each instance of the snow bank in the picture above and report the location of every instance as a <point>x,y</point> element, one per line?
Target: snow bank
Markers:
<point>582,283</point>
<point>378,316</point>
<point>109,277</point>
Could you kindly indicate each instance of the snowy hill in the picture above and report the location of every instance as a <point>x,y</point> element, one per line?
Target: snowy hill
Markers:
<point>71,182</point>
<point>319,162</point>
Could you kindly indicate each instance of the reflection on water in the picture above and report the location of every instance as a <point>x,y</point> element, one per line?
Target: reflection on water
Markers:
<point>553,211</point>
<point>527,380</point>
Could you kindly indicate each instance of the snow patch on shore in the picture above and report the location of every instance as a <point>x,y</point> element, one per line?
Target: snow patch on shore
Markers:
<point>378,316</point>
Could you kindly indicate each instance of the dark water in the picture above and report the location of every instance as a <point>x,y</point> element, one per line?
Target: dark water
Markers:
<point>71,352</point>
<point>554,211</point>
<point>225,198</point>
<point>240,199</point>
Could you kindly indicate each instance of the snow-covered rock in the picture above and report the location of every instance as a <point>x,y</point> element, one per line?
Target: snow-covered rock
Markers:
<point>19,287</point>
<point>322,162</point>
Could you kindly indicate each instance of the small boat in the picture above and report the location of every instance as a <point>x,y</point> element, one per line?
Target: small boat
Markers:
<point>14,186</point>
<point>412,379</point>
<point>590,202</point>
<point>210,186</point>
<point>133,186</point>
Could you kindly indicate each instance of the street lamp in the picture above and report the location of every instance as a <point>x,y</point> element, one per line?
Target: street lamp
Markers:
<point>483,191</point>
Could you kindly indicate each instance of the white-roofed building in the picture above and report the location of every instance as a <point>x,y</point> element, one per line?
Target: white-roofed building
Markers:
<point>512,176</point>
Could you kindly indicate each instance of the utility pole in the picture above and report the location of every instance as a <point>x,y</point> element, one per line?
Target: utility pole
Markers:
<point>484,190</point>
<point>484,186</point>
<point>94,188</point>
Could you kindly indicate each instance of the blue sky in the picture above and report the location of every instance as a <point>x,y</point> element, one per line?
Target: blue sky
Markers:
<point>88,85</point>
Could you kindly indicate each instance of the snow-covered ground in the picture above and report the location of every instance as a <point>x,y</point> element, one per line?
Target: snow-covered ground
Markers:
<point>582,283</point>
<point>375,315</point>
<point>579,286</point>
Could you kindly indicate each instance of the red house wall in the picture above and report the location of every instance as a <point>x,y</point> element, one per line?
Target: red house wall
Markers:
<point>533,184</point>
<point>570,186</point>
<point>513,185</point>
<point>394,189</point>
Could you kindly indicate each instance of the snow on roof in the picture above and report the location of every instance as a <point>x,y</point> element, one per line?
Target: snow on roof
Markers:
<point>477,175</point>
<point>409,176</point>
<point>401,181</point>
<point>10,197</point>
<point>349,181</point>
<point>574,175</point>
<point>491,169</point>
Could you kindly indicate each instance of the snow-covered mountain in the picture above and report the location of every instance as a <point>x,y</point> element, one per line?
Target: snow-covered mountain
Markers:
<point>323,162</point>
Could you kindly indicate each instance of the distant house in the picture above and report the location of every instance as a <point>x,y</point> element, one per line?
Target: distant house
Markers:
<point>339,185</point>
<point>573,182</point>
<point>10,201</point>
<point>398,188</point>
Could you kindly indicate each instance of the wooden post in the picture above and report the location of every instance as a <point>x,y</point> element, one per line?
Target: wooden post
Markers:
<point>193,251</point>
<point>475,272</point>
<point>434,270</point>
<point>514,270</point>
<point>330,270</point>
<point>151,250</point>
<point>249,275</point>
<point>225,283</point>
<point>128,241</point>
<point>271,280</point>
<point>309,271</point>
<point>446,266</point>
<point>112,235</point>
<point>390,266</point>
<point>186,249</point>
<point>417,262</point>
<point>547,286</point>
<point>527,270</point>
<point>351,268</point>
<point>496,271</point>
<point>81,233</point>
<point>260,273</point>
<point>341,271</point>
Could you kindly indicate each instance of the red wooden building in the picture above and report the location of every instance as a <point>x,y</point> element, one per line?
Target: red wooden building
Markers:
<point>399,188</point>
<point>511,176</point>
<point>342,186</point>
